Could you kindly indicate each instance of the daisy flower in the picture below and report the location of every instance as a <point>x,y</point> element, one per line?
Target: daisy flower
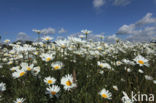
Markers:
<point>6,41</point>
<point>57,65</point>
<point>47,38</point>
<point>15,68</point>
<point>47,57</point>
<point>19,100</point>
<point>118,63</point>
<point>105,94</point>
<point>141,60</point>
<point>36,31</point>
<point>53,90</point>
<point>103,65</point>
<point>115,87</point>
<point>49,80</point>
<point>140,71</point>
<point>147,77</point>
<point>81,36</point>
<point>27,67</point>
<point>128,69</point>
<point>86,31</point>
<point>2,87</point>
<point>154,81</point>
<point>35,71</point>
<point>67,81</point>
<point>19,73</point>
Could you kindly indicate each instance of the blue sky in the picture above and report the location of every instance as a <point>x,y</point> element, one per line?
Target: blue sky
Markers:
<point>72,15</point>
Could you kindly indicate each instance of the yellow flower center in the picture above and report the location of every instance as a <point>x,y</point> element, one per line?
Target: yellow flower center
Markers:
<point>99,48</point>
<point>28,68</point>
<point>56,67</point>
<point>50,81</point>
<point>68,83</point>
<point>63,46</point>
<point>53,93</point>
<point>47,39</point>
<point>21,74</point>
<point>101,65</point>
<point>19,102</point>
<point>48,59</point>
<point>141,62</point>
<point>37,53</point>
<point>104,96</point>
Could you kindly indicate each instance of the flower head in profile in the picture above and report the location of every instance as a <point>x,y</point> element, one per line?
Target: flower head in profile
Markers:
<point>15,68</point>
<point>19,100</point>
<point>2,87</point>
<point>86,31</point>
<point>81,36</point>
<point>103,65</point>
<point>6,41</point>
<point>47,38</point>
<point>141,60</point>
<point>148,77</point>
<point>105,94</point>
<point>57,65</point>
<point>49,80</point>
<point>115,87</point>
<point>53,91</point>
<point>68,82</point>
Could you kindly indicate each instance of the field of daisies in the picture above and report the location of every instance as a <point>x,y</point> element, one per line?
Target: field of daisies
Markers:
<point>76,70</point>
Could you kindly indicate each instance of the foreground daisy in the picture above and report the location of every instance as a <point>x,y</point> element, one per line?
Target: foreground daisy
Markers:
<point>19,73</point>
<point>19,100</point>
<point>2,87</point>
<point>67,81</point>
<point>141,60</point>
<point>57,65</point>
<point>49,80</point>
<point>27,67</point>
<point>105,94</point>
<point>47,57</point>
<point>53,90</point>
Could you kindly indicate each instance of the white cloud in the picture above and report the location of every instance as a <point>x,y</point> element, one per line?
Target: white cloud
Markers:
<point>23,36</point>
<point>121,2</point>
<point>62,30</point>
<point>48,31</point>
<point>126,29</point>
<point>98,3</point>
<point>147,19</point>
<point>143,30</point>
